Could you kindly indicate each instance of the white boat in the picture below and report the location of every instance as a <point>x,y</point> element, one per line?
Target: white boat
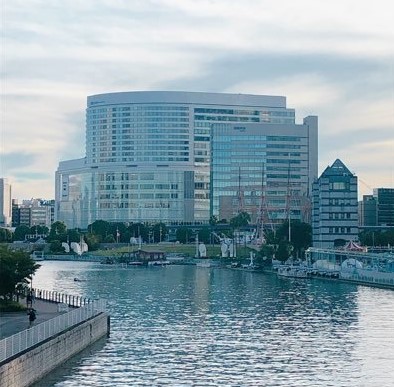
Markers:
<point>292,271</point>
<point>159,263</point>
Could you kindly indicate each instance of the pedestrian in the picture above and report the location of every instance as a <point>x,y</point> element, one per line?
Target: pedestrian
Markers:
<point>32,316</point>
<point>29,300</point>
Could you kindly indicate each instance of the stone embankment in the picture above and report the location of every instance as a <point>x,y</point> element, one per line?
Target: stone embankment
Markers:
<point>60,332</point>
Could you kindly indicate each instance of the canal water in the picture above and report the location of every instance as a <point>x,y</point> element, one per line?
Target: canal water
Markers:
<point>194,326</point>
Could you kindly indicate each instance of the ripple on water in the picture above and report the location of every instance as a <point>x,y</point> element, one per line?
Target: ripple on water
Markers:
<point>180,326</point>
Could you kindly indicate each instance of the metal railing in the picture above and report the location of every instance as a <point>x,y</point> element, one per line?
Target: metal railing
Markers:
<point>12,345</point>
<point>53,296</point>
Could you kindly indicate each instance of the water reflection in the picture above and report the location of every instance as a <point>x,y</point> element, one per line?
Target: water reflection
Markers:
<point>189,326</point>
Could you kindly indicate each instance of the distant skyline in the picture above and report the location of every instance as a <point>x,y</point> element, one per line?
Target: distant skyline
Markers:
<point>334,60</point>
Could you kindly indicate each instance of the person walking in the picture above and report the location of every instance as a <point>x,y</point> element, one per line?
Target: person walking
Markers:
<point>32,316</point>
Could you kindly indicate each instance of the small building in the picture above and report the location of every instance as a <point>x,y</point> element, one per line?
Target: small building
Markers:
<point>146,256</point>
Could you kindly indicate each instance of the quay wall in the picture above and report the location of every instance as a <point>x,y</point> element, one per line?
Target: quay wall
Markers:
<point>33,364</point>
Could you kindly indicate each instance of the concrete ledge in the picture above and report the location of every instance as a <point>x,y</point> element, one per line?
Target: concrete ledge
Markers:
<point>33,364</point>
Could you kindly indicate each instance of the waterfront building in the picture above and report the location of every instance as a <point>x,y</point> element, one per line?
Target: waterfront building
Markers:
<point>148,155</point>
<point>5,203</point>
<point>368,211</point>
<point>33,212</point>
<point>377,210</point>
<point>334,207</point>
<point>384,206</point>
<point>263,169</point>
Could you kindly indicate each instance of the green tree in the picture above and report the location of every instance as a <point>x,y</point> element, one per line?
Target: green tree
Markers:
<point>5,235</point>
<point>139,230</point>
<point>39,229</point>
<point>73,235</point>
<point>284,251</point>
<point>204,235</point>
<point>213,220</point>
<point>183,234</point>
<point>56,246</point>
<point>16,268</point>
<point>159,231</point>
<point>300,234</point>
<point>58,232</point>
<point>109,239</point>
<point>20,233</point>
<point>240,220</point>
<point>92,241</point>
<point>101,228</point>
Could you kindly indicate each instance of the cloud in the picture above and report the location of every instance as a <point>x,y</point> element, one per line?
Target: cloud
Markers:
<point>333,59</point>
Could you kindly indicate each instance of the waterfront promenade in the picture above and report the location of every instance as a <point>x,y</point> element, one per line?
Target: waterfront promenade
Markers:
<point>14,322</point>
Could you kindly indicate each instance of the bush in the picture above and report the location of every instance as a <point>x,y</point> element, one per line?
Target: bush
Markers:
<point>11,306</point>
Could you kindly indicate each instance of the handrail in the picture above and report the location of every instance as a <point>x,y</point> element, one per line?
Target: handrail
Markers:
<point>12,345</point>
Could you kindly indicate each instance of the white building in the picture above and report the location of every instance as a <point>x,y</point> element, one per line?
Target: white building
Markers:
<point>148,155</point>
<point>5,203</point>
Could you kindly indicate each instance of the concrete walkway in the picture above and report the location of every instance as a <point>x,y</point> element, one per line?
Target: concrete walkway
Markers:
<point>11,323</point>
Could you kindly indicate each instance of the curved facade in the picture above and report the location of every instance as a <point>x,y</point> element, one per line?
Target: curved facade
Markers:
<point>148,155</point>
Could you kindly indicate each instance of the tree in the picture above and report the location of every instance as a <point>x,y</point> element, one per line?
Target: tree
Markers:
<point>300,234</point>
<point>240,220</point>
<point>5,235</point>
<point>16,268</point>
<point>101,228</point>
<point>92,241</point>
<point>183,234</point>
<point>73,236</point>
<point>39,229</point>
<point>159,232</point>
<point>58,232</point>
<point>139,230</point>
<point>56,246</point>
<point>213,220</point>
<point>204,235</point>
<point>21,232</point>
<point>284,250</point>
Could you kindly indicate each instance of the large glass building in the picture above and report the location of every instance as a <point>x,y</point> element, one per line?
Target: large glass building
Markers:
<point>148,154</point>
<point>263,169</point>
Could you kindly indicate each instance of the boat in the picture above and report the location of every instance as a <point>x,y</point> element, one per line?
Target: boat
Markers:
<point>292,271</point>
<point>159,263</point>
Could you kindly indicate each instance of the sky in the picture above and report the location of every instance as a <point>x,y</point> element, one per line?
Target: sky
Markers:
<point>333,59</point>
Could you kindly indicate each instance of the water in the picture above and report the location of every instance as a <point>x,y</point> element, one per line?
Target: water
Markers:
<point>189,326</point>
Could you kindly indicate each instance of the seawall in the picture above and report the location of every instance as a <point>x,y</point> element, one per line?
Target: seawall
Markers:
<point>34,363</point>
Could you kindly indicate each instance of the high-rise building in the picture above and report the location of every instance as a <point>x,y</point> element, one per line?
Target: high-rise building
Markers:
<point>5,203</point>
<point>263,165</point>
<point>335,207</point>
<point>148,155</point>
<point>385,206</point>
<point>368,211</point>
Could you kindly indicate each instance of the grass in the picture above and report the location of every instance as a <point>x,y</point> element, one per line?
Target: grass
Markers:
<point>182,249</point>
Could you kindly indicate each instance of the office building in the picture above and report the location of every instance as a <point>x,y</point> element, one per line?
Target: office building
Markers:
<point>368,211</point>
<point>148,155</point>
<point>5,203</point>
<point>384,206</point>
<point>263,169</point>
<point>334,207</point>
